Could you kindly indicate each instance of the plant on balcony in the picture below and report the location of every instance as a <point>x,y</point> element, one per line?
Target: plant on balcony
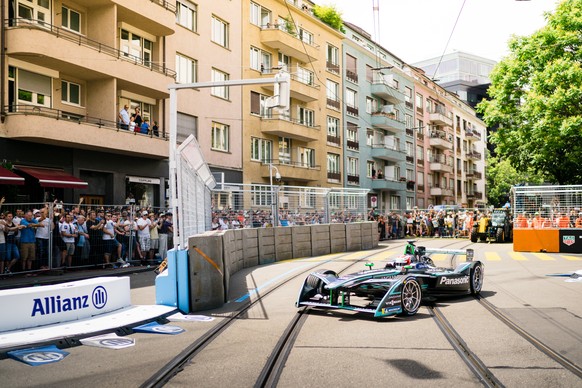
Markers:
<point>290,26</point>
<point>330,16</point>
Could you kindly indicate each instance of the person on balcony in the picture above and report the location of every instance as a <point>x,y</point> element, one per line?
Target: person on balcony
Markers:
<point>137,118</point>
<point>124,118</point>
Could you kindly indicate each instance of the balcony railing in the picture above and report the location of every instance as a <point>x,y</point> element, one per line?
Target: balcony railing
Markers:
<point>334,175</point>
<point>353,179</point>
<point>333,103</point>
<point>336,140</point>
<point>474,155</point>
<point>292,163</point>
<point>478,195</point>
<point>352,110</point>
<point>332,67</point>
<point>410,131</point>
<point>352,76</point>
<point>354,145</point>
<point>89,43</point>
<point>58,114</point>
<point>410,159</point>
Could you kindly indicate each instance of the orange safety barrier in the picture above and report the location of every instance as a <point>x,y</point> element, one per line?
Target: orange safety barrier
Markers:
<point>536,240</point>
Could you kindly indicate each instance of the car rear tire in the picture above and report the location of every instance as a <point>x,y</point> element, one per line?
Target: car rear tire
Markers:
<point>476,281</point>
<point>410,297</point>
<point>473,237</point>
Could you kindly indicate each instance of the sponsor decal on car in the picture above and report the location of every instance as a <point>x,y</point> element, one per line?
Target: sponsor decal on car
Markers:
<point>569,240</point>
<point>453,281</point>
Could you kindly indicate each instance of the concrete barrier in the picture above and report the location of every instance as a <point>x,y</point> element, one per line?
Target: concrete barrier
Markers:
<point>353,237</point>
<point>337,237</point>
<point>266,243</point>
<point>301,241</point>
<point>283,243</point>
<point>208,276</point>
<point>320,240</point>
<point>250,247</point>
<point>215,256</point>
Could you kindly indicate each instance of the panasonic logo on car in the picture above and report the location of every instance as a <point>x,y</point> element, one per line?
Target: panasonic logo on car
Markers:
<point>455,281</point>
<point>56,304</point>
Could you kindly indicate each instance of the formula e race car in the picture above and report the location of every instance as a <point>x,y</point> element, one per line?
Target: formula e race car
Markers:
<point>397,289</point>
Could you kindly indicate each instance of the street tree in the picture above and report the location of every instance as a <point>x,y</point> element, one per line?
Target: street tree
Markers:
<point>501,177</point>
<point>536,99</point>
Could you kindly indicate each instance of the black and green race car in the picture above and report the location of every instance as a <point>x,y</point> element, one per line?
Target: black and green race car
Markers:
<point>397,289</point>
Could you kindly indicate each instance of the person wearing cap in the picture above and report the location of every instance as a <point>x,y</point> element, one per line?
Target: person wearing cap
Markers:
<point>144,225</point>
<point>538,221</point>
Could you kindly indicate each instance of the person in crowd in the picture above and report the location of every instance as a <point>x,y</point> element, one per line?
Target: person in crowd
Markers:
<point>563,221</point>
<point>538,221</point>
<point>578,222</point>
<point>382,228</point>
<point>132,125</point>
<point>12,252</point>
<point>156,129</point>
<point>133,248</point>
<point>69,234</point>
<point>28,226</point>
<point>145,127</point>
<point>123,117</point>
<point>521,221</point>
<point>108,239</point>
<point>137,118</point>
<point>42,236</point>
<point>154,236</point>
<point>165,230</point>
<point>95,232</point>
<point>83,242</point>
<point>144,225</point>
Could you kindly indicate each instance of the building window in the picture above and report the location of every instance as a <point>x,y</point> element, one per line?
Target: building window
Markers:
<point>409,149</point>
<point>186,69</point>
<point>261,196</point>
<point>419,152</point>
<point>305,76</point>
<point>136,48</point>
<point>370,170</point>
<point>260,60</point>
<point>332,58</point>
<point>408,121</point>
<point>351,67</point>
<point>219,32</point>
<point>306,36</point>
<point>220,91</point>
<point>261,150</point>
<point>284,150</point>
<point>33,88</point>
<point>259,105</point>
<point>371,105</point>
<point>333,125</point>
<point>351,102</point>
<point>370,137</point>
<point>332,94</point>
<point>306,116</point>
<point>353,166</point>
<point>187,125</point>
<point>70,93</point>
<point>219,137</point>
<point>333,163</point>
<point>352,136</point>
<point>394,202</point>
<point>71,20</point>
<point>186,15</point>
<point>306,157</point>
<point>35,10</point>
<point>420,126</point>
<point>419,102</point>
<point>260,16</point>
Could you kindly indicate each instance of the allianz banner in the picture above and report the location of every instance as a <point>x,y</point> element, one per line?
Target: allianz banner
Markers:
<point>570,240</point>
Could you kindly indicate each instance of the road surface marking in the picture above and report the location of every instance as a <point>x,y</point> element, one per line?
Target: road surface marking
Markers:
<point>492,256</point>
<point>543,256</point>
<point>517,256</point>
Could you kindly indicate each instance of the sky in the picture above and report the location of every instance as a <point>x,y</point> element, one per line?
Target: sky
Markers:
<point>415,30</point>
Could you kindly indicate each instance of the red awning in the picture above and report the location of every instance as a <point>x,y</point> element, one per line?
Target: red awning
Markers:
<point>7,177</point>
<point>48,177</point>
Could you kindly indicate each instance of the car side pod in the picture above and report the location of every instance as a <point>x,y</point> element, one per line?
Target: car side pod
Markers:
<point>403,298</point>
<point>314,284</point>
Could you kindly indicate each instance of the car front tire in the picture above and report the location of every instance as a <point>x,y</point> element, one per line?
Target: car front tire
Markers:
<point>410,297</point>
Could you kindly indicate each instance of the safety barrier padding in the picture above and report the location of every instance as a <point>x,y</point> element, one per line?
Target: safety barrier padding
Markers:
<point>337,237</point>
<point>536,240</point>
<point>354,237</point>
<point>320,240</point>
<point>250,244</point>
<point>283,244</point>
<point>266,243</point>
<point>301,241</point>
<point>207,272</point>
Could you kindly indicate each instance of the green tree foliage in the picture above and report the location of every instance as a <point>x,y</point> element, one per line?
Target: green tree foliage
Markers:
<point>536,99</point>
<point>501,177</point>
<point>330,16</point>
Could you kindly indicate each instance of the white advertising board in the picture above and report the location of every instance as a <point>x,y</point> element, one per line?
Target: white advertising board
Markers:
<point>38,306</point>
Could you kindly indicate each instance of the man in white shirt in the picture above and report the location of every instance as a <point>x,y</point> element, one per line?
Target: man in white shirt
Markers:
<point>68,233</point>
<point>42,236</point>
<point>108,238</point>
<point>144,224</point>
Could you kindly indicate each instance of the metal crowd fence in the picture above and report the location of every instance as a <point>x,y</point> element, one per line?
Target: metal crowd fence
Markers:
<point>87,247</point>
<point>252,206</point>
<point>557,206</point>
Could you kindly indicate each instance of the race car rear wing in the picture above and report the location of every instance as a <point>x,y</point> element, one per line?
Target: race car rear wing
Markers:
<point>470,253</point>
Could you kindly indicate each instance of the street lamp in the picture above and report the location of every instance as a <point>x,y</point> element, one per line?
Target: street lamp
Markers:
<point>274,213</point>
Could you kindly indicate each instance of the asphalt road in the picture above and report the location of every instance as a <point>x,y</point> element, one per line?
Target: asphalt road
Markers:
<point>344,348</point>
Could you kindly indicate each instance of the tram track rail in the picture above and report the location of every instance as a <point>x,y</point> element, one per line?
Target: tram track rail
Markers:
<point>178,363</point>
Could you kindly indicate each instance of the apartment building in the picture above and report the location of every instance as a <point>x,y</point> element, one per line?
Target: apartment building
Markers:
<point>71,67</point>
<point>379,152</point>
<point>303,143</point>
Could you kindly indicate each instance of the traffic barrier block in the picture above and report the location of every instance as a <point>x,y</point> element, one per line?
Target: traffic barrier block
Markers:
<point>266,241</point>
<point>320,240</point>
<point>284,243</point>
<point>337,235</point>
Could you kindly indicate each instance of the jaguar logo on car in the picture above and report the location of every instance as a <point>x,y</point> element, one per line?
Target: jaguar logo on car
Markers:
<point>454,281</point>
